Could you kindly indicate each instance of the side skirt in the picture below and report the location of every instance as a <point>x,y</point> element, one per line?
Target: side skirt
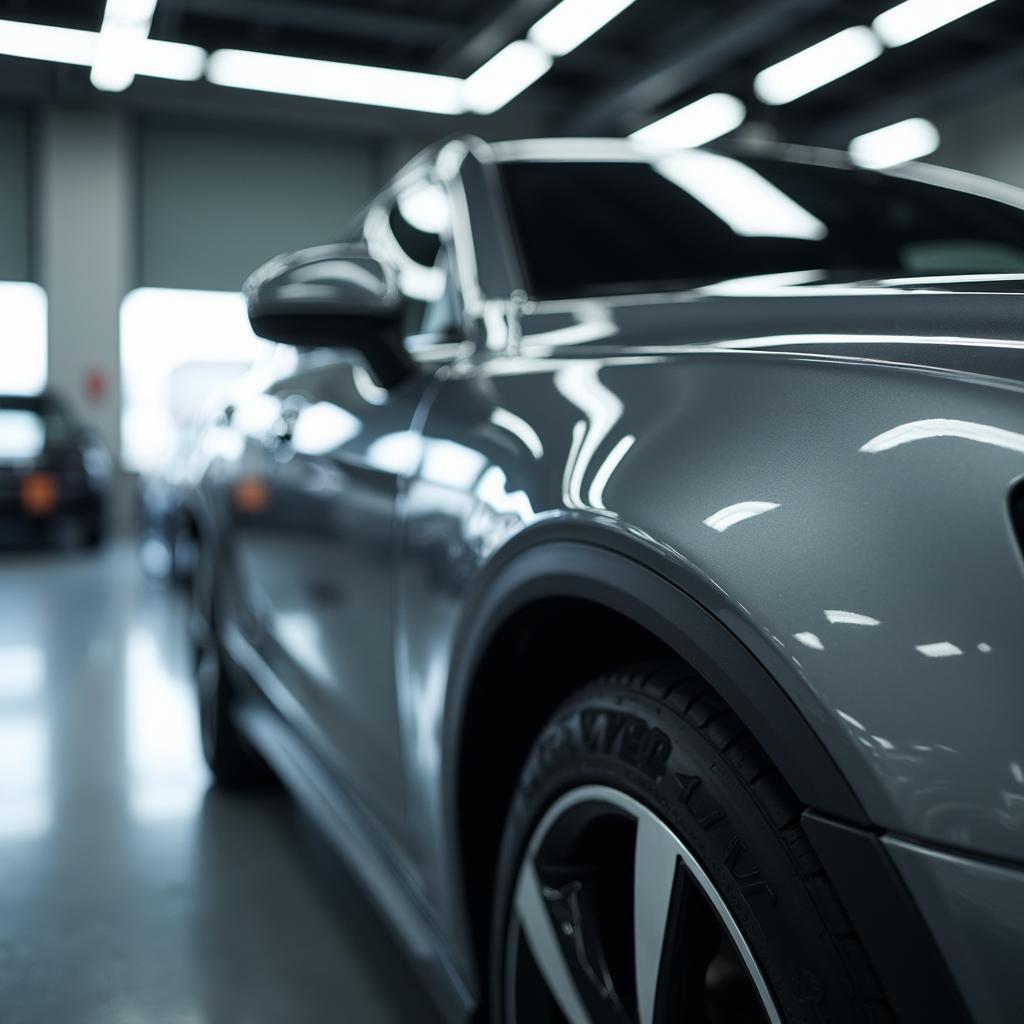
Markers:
<point>345,826</point>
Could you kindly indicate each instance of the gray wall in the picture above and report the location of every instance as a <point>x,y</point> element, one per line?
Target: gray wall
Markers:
<point>216,202</point>
<point>15,253</point>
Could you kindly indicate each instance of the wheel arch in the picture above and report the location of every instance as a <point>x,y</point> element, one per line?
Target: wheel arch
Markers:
<point>560,596</point>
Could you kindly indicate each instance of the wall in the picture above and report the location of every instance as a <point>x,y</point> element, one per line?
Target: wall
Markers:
<point>985,138</point>
<point>15,199</point>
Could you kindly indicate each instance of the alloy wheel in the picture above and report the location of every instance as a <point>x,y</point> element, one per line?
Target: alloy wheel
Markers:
<point>614,921</point>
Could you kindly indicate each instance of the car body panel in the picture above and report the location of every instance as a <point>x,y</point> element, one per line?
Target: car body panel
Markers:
<point>821,465</point>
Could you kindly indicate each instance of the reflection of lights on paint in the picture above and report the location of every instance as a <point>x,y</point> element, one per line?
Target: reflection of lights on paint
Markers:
<point>849,718</point>
<point>425,207</point>
<point>841,618</point>
<point>985,648</point>
<point>1017,772</point>
<point>809,640</point>
<point>323,427</point>
<point>517,426</point>
<point>733,514</point>
<point>920,430</point>
<point>884,743</point>
<point>943,649</point>
<point>605,470</point>
<point>251,495</point>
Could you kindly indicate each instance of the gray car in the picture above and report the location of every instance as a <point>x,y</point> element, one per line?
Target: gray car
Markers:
<point>629,579</point>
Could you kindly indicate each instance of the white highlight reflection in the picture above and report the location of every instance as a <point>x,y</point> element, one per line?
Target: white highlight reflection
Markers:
<point>733,514</point>
<point>841,618</point>
<point>607,468</point>
<point>809,640</point>
<point>920,430</point>
<point>517,426</point>
<point>944,649</point>
<point>166,777</point>
<point>21,671</point>
<point>25,806</point>
<point>735,193</point>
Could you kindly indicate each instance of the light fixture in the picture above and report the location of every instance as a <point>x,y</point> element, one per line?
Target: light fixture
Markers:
<point>331,80</point>
<point>896,143</point>
<point>573,22</point>
<point>915,18</point>
<point>817,65</point>
<point>696,123</point>
<point>157,58</point>
<point>47,42</point>
<point>505,76</point>
<point>123,34</point>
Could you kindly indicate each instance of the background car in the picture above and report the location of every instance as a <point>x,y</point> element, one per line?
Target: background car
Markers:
<point>618,574</point>
<point>54,474</point>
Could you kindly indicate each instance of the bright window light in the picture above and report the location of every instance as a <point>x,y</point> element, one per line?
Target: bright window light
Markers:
<point>895,144</point>
<point>330,80</point>
<point>915,18</point>
<point>179,349</point>
<point>735,193</point>
<point>23,314</point>
<point>697,123</point>
<point>47,42</point>
<point>573,22</point>
<point>817,65</point>
<point>505,76</point>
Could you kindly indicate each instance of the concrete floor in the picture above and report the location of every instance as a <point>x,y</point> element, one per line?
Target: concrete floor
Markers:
<point>130,890</point>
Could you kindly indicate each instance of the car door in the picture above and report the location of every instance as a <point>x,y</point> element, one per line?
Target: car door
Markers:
<point>324,562</point>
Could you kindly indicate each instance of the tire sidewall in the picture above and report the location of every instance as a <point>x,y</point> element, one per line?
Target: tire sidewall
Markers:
<point>651,753</point>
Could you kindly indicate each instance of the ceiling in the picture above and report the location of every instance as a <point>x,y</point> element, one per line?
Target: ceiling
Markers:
<point>654,57</point>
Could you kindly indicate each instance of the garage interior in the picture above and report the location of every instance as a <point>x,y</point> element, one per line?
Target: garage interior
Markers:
<point>132,206</point>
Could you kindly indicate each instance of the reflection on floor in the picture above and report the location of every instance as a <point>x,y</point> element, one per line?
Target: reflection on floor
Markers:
<point>131,891</point>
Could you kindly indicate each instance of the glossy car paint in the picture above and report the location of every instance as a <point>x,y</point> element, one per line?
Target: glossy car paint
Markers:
<point>824,466</point>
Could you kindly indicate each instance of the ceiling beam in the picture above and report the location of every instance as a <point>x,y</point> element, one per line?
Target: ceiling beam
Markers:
<point>505,21</point>
<point>692,52</point>
<point>362,22</point>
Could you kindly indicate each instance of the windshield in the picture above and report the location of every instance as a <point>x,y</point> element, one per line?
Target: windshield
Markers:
<point>592,227</point>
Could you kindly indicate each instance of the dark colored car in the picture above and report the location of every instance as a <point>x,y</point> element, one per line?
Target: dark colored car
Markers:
<point>629,577</point>
<point>54,474</point>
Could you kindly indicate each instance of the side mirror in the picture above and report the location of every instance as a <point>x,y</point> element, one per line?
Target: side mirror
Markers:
<point>334,296</point>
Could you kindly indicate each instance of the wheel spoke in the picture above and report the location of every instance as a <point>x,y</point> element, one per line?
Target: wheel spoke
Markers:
<point>654,869</point>
<point>543,941</point>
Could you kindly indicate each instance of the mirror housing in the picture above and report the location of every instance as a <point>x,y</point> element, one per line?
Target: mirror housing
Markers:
<point>332,296</point>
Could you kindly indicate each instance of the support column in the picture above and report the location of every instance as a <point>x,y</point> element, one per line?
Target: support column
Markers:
<point>86,259</point>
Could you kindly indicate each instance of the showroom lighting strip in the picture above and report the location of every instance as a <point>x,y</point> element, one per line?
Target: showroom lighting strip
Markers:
<point>695,124</point>
<point>915,18</point>
<point>151,57</point>
<point>895,144</point>
<point>854,47</point>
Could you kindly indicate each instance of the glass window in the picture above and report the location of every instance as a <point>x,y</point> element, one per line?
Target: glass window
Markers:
<point>694,217</point>
<point>179,350</point>
<point>23,314</point>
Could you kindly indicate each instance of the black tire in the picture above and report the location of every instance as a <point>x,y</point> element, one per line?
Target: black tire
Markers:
<point>232,759</point>
<point>660,736</point>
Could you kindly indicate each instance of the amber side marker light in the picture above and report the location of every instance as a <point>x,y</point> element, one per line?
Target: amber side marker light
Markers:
<point>40,493</point>
<point>251,495</point>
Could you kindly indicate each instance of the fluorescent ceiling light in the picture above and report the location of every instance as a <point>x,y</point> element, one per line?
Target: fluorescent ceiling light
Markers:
<point>47,42</point>
<point>735,193</point>
<point>696,123</point>
<point>156,58</point>
<point>330,80</point>
<point>895,144</point>
<point>123,34</point>
<point>915,18</point>
<point>505,76</point>
<point>817,65</point>
<point>573,22</point>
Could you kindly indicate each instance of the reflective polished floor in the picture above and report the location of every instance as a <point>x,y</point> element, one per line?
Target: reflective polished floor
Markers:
<point>130,889</point>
